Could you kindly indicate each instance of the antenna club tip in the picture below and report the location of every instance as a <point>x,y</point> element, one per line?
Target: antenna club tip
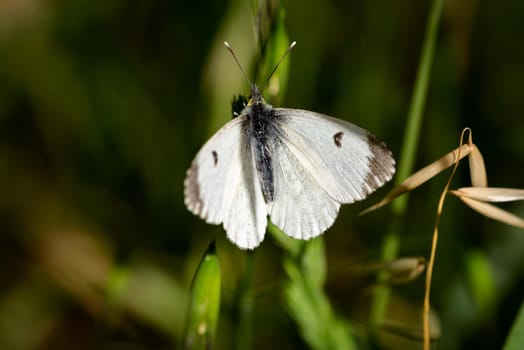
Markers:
<point>292,44</point>
<point>226,44</point>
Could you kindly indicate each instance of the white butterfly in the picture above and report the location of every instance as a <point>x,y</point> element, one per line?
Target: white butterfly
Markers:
<point>295,166</point>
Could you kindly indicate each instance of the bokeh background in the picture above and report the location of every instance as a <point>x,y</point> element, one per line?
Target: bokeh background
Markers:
<point>103,105</point>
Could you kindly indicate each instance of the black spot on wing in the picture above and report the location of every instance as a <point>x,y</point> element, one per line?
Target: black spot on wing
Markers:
<point>337,138</point>
<point>215,157</point>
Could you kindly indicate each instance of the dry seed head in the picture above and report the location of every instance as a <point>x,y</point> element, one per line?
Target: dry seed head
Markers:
<point>490,194</point>
<point>405,270</point>
<point>491,211</point>
<point>477,169</point>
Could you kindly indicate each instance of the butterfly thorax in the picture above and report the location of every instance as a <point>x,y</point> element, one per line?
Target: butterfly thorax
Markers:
<point>260,131</point>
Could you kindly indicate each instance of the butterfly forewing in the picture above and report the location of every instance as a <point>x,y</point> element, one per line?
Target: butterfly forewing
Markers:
<point>345,160</point>
<point>221,186</point>
<point>206,179</point>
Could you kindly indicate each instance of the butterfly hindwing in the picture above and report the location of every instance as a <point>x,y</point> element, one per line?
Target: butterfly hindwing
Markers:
<point>301,207</point>
<point>246,218</point>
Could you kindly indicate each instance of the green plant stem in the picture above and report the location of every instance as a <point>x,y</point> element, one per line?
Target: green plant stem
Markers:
<point>277,38</point>
<point>408,154</point>
<point>245,306</point>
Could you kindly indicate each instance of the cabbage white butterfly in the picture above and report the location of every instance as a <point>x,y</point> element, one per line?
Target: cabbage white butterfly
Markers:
<point>293,165</point>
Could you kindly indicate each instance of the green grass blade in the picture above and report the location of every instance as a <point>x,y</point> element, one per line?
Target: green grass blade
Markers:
<point>244,297</point>
<point>308,305</point>
<point>204,306</point>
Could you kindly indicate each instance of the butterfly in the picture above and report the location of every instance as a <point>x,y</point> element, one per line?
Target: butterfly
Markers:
<point>294,166</point>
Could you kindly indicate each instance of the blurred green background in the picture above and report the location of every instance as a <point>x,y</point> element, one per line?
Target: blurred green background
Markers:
<point>103,105</point>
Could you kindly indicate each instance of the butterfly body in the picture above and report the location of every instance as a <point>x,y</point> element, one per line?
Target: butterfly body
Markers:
<point>260,127</point>
<point>295,166</point>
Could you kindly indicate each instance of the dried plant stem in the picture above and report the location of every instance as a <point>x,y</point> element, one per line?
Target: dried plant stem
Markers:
<point>429,273</point>
<point>431,262</point>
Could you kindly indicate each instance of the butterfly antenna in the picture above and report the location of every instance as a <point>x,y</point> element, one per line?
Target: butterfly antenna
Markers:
<point>291,46</point>
<point>238,62</point>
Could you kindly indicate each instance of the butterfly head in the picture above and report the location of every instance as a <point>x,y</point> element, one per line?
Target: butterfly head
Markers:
<point>256,96</point>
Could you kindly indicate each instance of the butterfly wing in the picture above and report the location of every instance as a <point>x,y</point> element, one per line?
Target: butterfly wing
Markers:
<point>301,207</point>
<point>221,186</point>
<point>322,162</point>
